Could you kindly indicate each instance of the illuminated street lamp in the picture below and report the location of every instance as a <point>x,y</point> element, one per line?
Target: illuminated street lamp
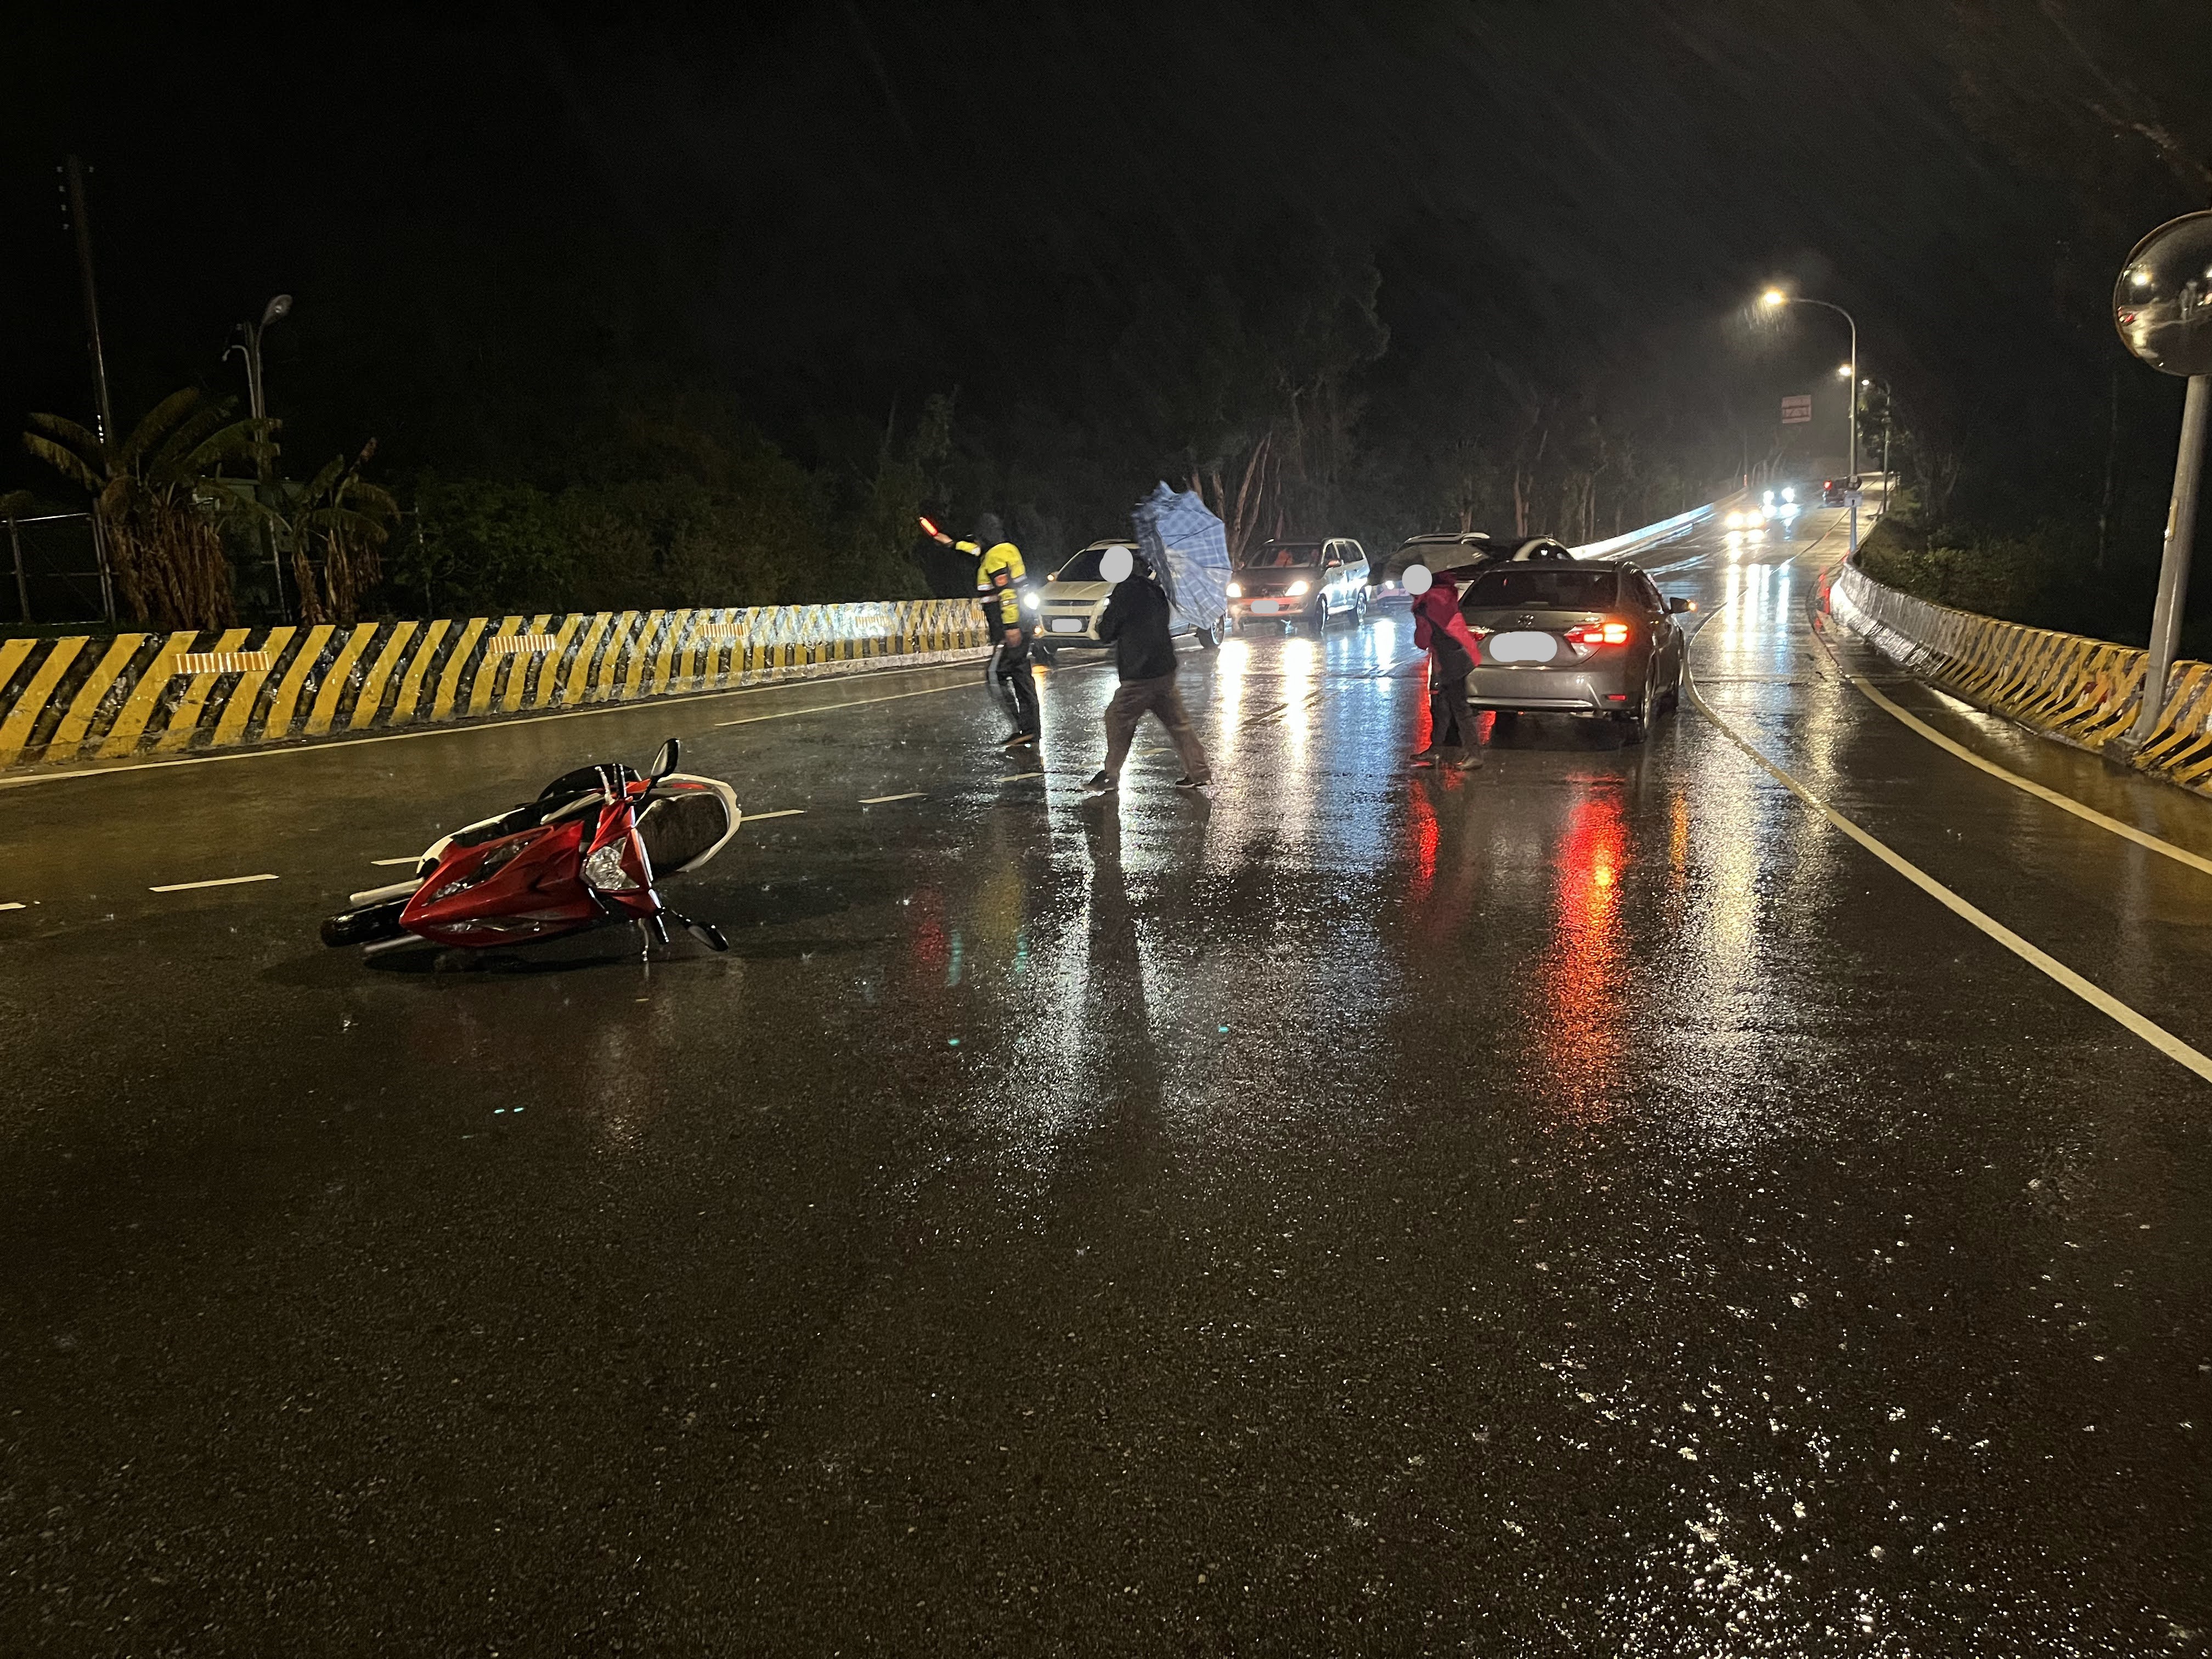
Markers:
<point>1774,299</point>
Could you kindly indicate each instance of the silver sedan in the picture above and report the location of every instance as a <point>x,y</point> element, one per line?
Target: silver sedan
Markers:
<point>1593,640</point>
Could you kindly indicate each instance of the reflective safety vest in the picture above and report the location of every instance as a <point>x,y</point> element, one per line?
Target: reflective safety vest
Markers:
<point>999,555</point>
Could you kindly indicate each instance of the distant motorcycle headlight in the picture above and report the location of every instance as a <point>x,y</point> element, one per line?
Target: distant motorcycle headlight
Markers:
<point>603,871</point>
<point>1296,589</point>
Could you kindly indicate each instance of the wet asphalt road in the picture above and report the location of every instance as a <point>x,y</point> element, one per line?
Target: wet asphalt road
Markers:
<point>1589,1207</point>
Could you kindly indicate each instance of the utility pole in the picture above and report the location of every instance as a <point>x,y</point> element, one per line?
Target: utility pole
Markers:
<point>80,222</point>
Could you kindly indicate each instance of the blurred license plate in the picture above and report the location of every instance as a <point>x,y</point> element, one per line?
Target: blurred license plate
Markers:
<point>1269,606</point>
<point>1067,624</point>
<point>1520,647</point>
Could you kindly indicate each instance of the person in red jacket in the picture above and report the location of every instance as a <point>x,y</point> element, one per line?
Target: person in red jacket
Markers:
<point>1440,630</point>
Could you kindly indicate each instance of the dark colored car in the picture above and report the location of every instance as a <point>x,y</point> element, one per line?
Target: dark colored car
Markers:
<point>1566,637</point>
<point>1460,555</point>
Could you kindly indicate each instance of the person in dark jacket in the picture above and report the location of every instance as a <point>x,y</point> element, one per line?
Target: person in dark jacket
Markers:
<point>1135,621</point>
<point>1439,629</point>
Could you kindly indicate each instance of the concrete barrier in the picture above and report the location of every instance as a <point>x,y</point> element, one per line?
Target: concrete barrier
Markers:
<point>92,698</point>
<point>2083,691</point>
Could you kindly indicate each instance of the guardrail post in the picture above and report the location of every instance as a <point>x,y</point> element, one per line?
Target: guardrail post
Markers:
<point>2173,565</point>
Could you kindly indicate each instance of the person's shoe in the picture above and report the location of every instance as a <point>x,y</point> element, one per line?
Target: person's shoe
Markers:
<point>1204,787</point>
<point>1100,784</point>
<point>1427,757</point>
<point>1465,763</point>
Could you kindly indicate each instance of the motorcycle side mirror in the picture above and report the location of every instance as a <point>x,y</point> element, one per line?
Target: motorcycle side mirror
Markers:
<point>664,761</point>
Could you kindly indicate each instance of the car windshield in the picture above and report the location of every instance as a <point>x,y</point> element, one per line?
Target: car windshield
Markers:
<point>1083,568</point>
<point>1301,557</point>
<point>1541,588</point>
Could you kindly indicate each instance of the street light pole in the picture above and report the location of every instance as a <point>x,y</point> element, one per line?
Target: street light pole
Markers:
<point>277,309</point>
<point>1775,296</point>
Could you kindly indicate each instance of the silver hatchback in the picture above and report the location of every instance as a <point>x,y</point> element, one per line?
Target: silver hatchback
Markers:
<point>1566,637</point>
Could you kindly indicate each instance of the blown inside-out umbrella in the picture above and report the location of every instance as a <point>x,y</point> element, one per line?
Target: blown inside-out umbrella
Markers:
<point>1188,551</point>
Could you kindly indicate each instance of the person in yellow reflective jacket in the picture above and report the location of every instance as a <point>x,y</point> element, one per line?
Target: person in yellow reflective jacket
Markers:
<point>998,573</point>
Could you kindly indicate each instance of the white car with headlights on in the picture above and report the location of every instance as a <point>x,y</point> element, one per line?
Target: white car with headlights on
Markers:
<point>1064,613</point>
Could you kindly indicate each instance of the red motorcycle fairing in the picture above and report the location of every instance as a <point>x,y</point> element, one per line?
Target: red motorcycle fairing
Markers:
<point>530,886</point>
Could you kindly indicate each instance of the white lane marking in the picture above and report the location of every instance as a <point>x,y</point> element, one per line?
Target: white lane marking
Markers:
<point>418,859</point>
<point>2102,1000</point>
<point>482,726</point>
<point>2064,803</point>
<point>786,812</point>
<point>1016,777</point>
<point>220,881</point>
<point>12,904</point>
<point>877,800</point>
<point>830,708</point>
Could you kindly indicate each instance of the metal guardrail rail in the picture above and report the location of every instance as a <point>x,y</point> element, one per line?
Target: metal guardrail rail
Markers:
<point>2079,691</point>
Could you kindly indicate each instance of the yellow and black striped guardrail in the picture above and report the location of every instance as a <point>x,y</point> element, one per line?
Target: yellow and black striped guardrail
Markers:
<point>92,698</point>
<point>2083,691</point>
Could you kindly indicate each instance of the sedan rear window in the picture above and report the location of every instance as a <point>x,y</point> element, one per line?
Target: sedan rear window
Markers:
<point>1541,588</point>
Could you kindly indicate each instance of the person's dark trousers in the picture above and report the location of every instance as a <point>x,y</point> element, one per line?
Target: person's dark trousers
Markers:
<point>1008,673</point>
<point>1159,698</point>
<point>1451,722</point>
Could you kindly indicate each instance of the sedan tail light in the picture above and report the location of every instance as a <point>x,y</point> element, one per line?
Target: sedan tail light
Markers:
<point>1597,633</point>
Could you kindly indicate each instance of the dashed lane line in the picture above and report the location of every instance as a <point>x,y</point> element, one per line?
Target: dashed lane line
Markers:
<point>879,801</point>
<point>1016,777</point>
<point>783,813</point>
<point>14,904</point>
<point>418,859</point>
<point>219,881</point>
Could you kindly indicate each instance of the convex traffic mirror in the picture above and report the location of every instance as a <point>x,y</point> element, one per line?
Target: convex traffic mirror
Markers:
<point>2162,304</point>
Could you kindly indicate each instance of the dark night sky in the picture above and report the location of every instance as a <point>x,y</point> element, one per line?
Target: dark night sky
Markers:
<point>492,216</point>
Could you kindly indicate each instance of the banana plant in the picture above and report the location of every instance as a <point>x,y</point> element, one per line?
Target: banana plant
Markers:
<point>162,499</point>
<point>338,522</point>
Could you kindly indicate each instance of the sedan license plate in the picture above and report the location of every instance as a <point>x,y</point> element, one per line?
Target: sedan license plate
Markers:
<point>1266,607</point>
<point>1067,624</point>
<point>1521,648</point>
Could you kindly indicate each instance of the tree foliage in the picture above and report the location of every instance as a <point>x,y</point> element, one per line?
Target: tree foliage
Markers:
<point>161,497</point>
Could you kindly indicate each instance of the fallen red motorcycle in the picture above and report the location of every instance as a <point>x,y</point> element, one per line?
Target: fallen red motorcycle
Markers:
<point>591,850</point>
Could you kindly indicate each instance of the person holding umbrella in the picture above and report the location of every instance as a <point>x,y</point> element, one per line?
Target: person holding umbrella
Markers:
<point>1136,621</point>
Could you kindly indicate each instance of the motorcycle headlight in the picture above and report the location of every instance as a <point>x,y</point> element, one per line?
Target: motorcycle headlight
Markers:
<point>1296,589</point>
<point>603,871</point>
<point>1236,590</point>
